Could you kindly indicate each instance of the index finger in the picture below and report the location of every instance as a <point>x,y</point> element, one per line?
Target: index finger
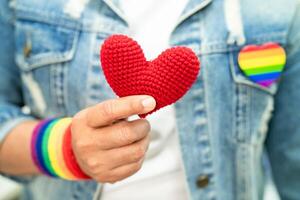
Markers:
<point>109,111</point>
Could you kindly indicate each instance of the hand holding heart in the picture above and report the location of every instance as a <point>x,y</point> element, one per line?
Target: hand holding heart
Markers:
<point>108,148</point>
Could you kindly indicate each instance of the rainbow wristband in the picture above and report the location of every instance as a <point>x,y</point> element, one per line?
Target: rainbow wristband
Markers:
<point>51,150</point>
<point>34,141</point>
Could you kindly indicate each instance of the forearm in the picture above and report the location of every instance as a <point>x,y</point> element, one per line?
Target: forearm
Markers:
<point>15,152</point>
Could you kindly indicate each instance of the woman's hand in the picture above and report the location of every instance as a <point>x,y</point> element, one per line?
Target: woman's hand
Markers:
<point>108,148</point>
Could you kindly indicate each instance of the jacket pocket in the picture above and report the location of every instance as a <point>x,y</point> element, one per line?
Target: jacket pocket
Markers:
<point>43,53</point>
<point>39,44</point>
<point>253,103</point>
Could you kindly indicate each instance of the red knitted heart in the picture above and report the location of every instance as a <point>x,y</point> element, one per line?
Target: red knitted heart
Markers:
<point>166,78</point>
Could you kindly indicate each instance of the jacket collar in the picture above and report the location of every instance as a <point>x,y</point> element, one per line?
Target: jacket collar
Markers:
<point>193,7</point>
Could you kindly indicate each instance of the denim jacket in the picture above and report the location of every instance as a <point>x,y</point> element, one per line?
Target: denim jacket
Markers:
<point>49,66</point>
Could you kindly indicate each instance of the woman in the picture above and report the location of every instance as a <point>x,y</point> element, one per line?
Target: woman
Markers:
<point>49,64</point>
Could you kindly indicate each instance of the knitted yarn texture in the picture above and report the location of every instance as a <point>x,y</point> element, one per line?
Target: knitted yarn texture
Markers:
<point>166,78</point>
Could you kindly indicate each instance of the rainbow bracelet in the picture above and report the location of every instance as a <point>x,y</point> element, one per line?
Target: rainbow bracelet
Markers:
<point>52,152</point>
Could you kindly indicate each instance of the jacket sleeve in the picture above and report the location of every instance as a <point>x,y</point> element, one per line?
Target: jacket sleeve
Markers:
<point>11,100</point>
<point>283,141</point>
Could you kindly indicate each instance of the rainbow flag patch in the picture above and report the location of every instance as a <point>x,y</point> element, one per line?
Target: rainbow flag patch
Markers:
<point>262,64</point>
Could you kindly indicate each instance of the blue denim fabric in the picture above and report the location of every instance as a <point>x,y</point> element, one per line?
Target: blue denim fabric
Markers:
<point>49,63</point>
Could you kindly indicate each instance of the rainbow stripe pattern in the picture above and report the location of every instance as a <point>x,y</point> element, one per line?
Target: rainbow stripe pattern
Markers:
<point>262,64</point>
<point>52,152</point>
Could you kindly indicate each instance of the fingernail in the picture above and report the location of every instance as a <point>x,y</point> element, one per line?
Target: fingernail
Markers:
<point>149,103</point>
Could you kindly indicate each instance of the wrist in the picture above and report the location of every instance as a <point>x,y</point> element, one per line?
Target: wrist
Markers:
<point>16,144</point>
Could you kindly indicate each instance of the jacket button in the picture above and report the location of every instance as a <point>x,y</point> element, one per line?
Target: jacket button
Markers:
<point>202,181</point>
<point>27,49</point>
